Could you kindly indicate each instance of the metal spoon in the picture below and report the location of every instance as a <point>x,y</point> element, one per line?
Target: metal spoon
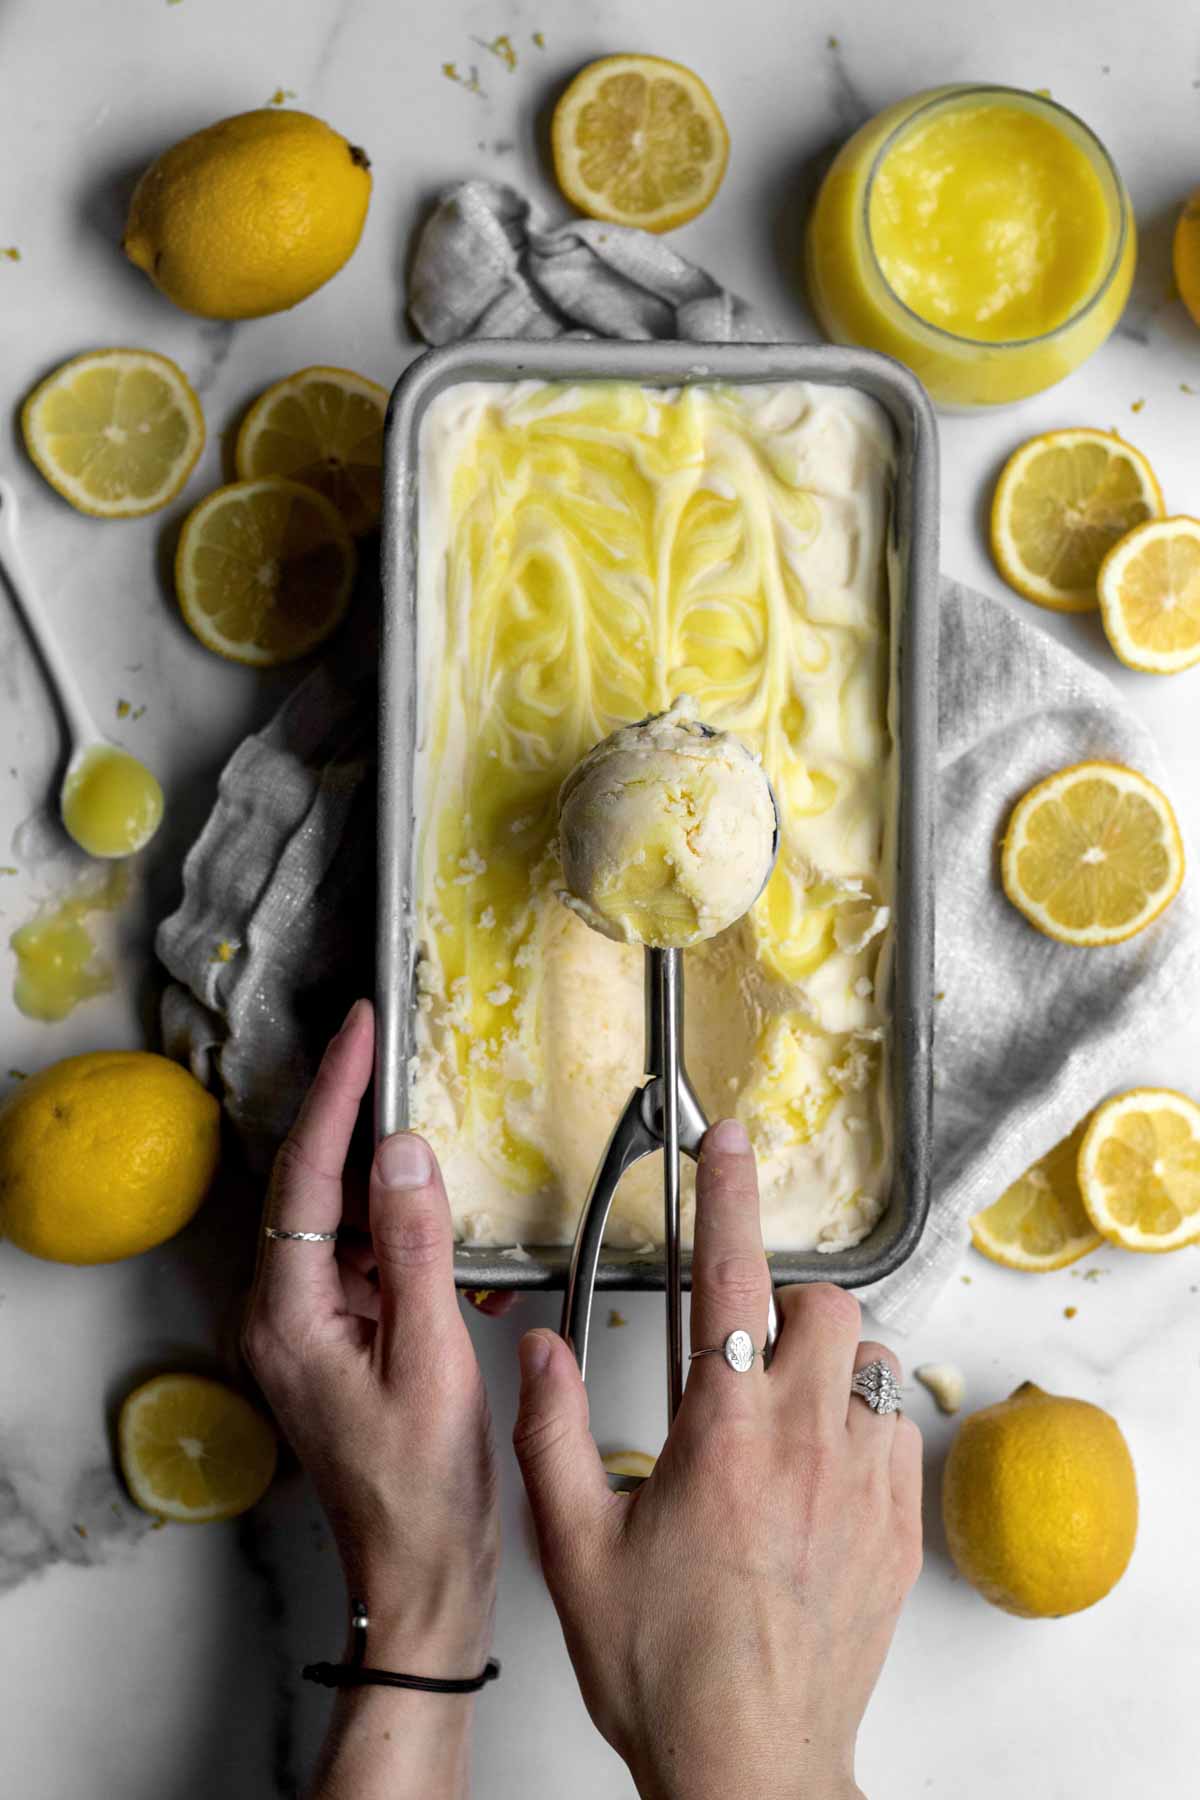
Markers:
<point>85,735</point>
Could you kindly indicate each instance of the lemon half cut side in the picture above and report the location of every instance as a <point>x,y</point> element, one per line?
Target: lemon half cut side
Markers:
<point>1139,1170</point>
<point>1093,854</point>
<point>1062,501</point>
<point>264,571</point>
<point>115,432</point>
<point>639,140</point>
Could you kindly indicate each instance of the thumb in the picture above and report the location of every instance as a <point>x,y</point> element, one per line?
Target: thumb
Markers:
<point>560,1464</point>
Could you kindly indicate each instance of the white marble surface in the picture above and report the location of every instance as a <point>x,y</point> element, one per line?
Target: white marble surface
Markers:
<point>161,1665</point>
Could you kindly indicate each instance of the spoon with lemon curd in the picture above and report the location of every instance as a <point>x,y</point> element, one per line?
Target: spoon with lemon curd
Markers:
<point>111,804</point>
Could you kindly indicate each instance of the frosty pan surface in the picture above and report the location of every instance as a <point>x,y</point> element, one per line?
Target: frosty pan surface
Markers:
<point>912,567</point>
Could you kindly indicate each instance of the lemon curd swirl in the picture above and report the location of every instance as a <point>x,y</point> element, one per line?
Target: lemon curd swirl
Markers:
<point>587,553</point>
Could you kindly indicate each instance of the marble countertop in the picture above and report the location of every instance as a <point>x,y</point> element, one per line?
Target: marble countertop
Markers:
<point>145,1664</point>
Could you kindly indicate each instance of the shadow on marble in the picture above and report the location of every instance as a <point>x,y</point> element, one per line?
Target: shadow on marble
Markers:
<point>1153,300</point>
<point>933,1529</point>
<point>788,193</point>
<point>103,207</point>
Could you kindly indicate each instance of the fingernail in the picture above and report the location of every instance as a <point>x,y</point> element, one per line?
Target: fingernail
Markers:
<point>350,1017</point>
<point>729,1134</point>
<point>403,1161</point>
<point>534,1353</point>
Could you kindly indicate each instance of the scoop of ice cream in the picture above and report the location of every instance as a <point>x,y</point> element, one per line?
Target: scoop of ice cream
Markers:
<point>666,831</point>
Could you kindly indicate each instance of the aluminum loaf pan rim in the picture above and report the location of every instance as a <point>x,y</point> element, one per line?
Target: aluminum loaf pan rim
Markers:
<point>913,564</point>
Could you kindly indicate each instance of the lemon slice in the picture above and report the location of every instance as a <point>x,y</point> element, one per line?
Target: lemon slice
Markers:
<point>1092,854</point>
<point>264,570</point>
<point>629,1462</point>
<point>1139,1170</point>
<point>640,141</point>
<point>1061,503</point>
<point>192,1449</point>
<point>323,428</point>
<point>115,432</point>
<point>1149,588</point>
<point>1040,1222</point>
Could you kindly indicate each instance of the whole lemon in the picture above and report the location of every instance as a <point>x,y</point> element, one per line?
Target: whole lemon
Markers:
<point>250,215</point>
<point>1040,1503</point>
<point>105,1155</point>
<point>1186,255</point>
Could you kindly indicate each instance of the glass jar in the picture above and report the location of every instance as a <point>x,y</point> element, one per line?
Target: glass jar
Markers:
<point>952,214</point>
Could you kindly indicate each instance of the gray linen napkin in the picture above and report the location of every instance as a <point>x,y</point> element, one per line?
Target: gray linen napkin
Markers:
<point>1029,1034</point>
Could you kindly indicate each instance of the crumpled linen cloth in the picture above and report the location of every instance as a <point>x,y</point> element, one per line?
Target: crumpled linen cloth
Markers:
<point>1029,1034</point>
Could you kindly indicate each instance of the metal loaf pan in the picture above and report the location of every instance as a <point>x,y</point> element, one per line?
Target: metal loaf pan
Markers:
<point>913,573</point>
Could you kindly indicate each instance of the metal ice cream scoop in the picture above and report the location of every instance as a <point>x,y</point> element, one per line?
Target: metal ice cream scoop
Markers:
<point>664,1114</point>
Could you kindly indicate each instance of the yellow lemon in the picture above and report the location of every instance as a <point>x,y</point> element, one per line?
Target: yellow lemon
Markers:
<point>115,432</point>
<point>1062,501</point>
<point>1139,1169</point>
<point>250,215</point>
<point>1186,255</point>
<point>1040,1222</point>
<point>104,1156</point>
<point>324,429</point>
<point>640,141</point>
<point>264,570</point>
<point>1149,588</point>
<point>193,1450</point>
<point>1039,1501</point>
<point>1093,854</point>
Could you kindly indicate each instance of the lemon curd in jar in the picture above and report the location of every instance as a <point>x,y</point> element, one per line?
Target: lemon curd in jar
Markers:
<point>980,235</point>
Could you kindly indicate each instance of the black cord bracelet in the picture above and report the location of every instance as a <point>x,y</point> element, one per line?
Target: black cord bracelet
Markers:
<point>356,1674</point>
<point>344,1675</point>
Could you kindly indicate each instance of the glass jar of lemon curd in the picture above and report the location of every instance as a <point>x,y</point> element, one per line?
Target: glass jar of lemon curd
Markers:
<point>980,235</point>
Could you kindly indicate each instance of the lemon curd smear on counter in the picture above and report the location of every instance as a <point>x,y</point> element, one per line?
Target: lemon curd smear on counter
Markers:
<point>981,235</point>
<point>587,553</point>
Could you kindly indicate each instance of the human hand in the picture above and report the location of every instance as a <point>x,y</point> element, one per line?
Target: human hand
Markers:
<point>374,1382</point>
<point>728,1621</point>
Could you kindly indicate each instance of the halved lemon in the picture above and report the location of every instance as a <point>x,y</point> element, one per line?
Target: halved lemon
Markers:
<point>1061,503</point>
<point>264,570</point>
<point>115,432</point>
<point>1040,1222</point>
<point>1139,1169</point>
<point>192,1449</point>
<point>1092,854</point>
<point>323,428</point>
<point>639,141</point>
<point>1149,588</point>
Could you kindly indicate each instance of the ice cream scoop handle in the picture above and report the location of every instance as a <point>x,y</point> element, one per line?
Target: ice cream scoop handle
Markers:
<point>633,1136</point>
<point>664,983</point>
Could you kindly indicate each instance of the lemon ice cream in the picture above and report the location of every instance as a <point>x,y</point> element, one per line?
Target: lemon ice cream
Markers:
<point>587,553</point>
<point>666,831</point>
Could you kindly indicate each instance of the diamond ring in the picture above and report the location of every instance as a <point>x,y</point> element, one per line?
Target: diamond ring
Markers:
<point>878,1387</point>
